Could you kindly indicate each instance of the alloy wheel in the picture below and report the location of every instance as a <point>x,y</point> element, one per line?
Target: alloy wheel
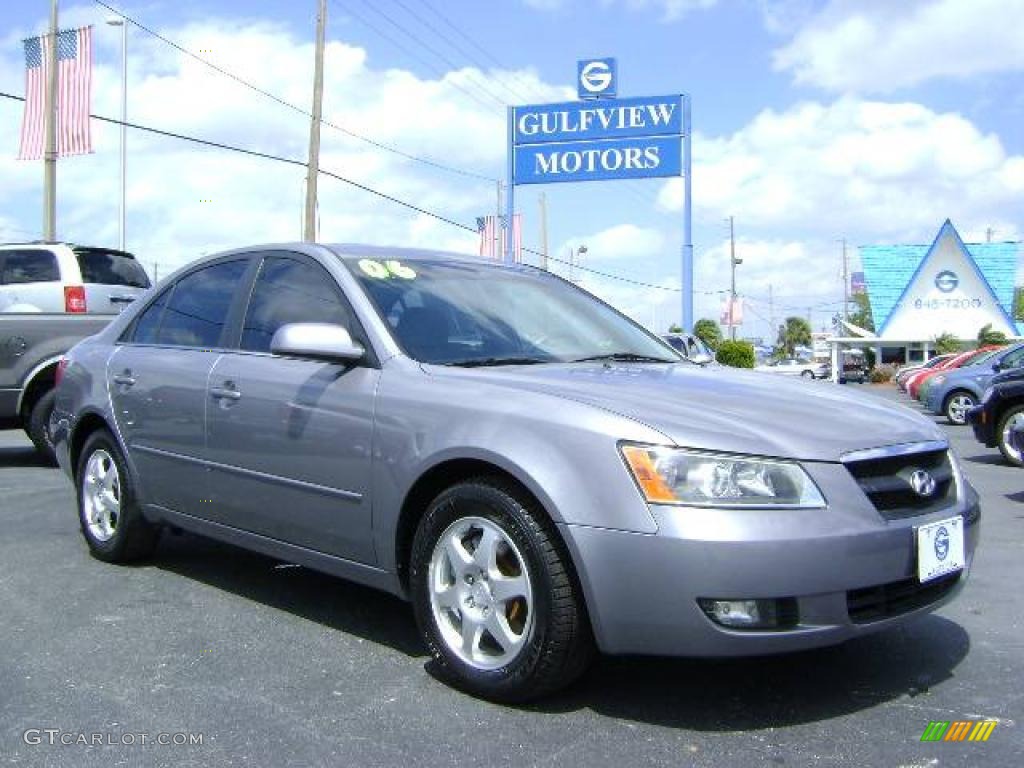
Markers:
<point>101,495</point>
<point>480,593</point>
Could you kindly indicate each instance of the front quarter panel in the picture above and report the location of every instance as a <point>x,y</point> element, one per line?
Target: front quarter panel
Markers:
<point>565,453</point>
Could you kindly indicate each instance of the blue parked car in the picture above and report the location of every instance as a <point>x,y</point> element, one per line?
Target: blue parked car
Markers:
<point>954,392</point>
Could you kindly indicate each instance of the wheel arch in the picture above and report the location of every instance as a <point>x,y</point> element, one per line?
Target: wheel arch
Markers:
<point>87,424</point>
<point>39,380</point>
<point>445,474</point>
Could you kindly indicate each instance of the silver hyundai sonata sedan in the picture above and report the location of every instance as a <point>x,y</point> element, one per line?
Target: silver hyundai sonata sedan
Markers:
<point>537,474</point>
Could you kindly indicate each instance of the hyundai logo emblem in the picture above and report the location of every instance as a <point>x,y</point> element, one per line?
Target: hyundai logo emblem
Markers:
<point>922,483</point>
<point>941,543</point>
<point>946,281</point>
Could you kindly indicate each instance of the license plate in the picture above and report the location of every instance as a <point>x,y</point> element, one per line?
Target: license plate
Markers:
<point>940,548</point>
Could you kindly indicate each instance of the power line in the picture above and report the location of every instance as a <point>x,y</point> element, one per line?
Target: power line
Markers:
<point>253,87</point>
<point>351,182</point>
<point>482,86</point>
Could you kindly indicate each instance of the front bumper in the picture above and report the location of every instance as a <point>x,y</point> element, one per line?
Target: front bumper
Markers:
<point>983,425</point>
<point>642,590</point>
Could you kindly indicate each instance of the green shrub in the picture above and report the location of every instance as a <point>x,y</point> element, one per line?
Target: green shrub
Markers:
<point>881,373</point>
<point>737,354</point>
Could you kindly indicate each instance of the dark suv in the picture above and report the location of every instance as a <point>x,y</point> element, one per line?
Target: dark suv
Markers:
<point>1000,413</point>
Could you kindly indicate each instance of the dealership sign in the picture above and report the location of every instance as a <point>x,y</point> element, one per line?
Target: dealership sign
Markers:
<point>597,140</point>
<point>603,138</point>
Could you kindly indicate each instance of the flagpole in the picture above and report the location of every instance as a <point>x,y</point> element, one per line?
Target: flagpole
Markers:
<point>50,156</point>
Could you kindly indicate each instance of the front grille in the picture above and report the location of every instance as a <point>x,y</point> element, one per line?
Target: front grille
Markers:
<point>887,600</point>
<point>886,482</point>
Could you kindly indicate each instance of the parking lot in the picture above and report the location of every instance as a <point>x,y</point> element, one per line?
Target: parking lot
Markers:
<point>271,664</point>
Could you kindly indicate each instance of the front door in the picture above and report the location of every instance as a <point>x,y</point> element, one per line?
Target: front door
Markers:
<point>289,440</point>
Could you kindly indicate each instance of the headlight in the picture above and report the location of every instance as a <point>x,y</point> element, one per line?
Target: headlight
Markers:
<point>679,476</point>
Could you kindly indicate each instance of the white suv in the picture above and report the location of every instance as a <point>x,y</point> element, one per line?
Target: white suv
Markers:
<point>60,277</point>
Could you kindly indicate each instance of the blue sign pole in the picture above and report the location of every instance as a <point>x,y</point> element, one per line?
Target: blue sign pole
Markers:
<point>510,188</point>
<point>687,284</point>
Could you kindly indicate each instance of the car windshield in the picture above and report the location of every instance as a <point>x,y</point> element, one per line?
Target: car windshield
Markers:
<point>452,312</point>
<point>978,359</point>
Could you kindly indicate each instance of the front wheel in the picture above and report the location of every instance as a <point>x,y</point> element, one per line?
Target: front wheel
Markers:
<point>957,406</point>
<point>807,374</point>
<point>108,511</point>
<point>1012,419</point>
<point>494,596</point>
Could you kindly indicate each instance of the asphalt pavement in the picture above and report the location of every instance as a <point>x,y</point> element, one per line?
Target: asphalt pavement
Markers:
<point>269,664</point>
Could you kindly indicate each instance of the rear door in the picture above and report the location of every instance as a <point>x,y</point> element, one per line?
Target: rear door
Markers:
<point>157,380</point>
<point>289,440</point>
<point>112,279</point>
<point>30,281</point>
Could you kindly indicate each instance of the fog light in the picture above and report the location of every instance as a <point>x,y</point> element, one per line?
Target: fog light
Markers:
<point>750,614</point>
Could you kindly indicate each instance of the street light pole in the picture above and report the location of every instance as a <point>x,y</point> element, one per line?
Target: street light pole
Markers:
<point>118,21</point>
<point>579,257</point>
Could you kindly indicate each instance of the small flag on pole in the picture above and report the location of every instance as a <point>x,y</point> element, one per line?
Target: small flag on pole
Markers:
<point>74,94</point>
<point>489,238</point>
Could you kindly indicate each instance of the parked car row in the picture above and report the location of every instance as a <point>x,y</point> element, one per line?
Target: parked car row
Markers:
<point>982,387</point>
<point>53,295</point>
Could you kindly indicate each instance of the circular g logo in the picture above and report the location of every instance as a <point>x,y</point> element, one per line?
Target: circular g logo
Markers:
<point>941,543</point>
<point>946,281</point>
<point>595,77</point>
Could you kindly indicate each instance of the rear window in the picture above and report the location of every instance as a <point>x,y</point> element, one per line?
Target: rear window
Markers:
<point>28,266</point>
<point>110,268</point>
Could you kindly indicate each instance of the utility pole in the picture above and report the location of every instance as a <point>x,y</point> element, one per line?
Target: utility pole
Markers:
<point>733,262</point>
<point>988,234</point>
<point>771,310</point>
<point>846,288</point>
<point>572,255</point>
<point>156,272</point>
<point>313,166</point>
<point>498,229</point>
<point>542,200</point>
<point>119,21</point>
<point>50,156</point>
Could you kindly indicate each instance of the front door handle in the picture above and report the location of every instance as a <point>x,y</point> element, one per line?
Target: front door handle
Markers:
<point>124,379</point>
<point>227,392</point>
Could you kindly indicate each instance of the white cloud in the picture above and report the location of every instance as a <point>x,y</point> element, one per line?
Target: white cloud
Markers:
<point>618,243</point>
<point>185,200</point>
<point>671,10</point>
<point>854,167</point>
<point>879,46</point>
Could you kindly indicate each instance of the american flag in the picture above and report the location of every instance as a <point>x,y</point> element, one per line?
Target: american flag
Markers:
<point>488,237</point>
<point>74,94</point>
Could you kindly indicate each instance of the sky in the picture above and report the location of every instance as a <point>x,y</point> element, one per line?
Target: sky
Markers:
<point>814,122</point>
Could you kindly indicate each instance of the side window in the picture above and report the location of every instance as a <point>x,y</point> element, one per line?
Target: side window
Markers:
<point>198,307</point>
<point>28,266</point>
<point>147,324</point>
<point>1014,359</point>
<point>290,291</point>
<point>677,344</point>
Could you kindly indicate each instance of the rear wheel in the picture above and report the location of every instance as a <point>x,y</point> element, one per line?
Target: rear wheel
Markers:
<point>1013,418</point>
<point>807,374</point>
<point>108,512</point>
<point>494,596</point>
<point>38,426</point>
<point>957,405</point>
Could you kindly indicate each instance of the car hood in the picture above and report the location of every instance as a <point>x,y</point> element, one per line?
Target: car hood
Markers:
<point>724,410</point>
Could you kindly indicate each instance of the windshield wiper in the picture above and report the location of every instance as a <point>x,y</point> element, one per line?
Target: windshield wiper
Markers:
<point>481,362</point>
<point>623,357</point>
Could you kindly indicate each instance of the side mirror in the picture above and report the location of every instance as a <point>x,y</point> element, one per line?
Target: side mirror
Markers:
<point>318,340</point>
<point>702,358</point>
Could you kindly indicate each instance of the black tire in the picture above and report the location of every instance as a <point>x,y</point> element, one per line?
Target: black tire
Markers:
<point>947,406</point>
<point>1011,457</point>
<point>807,374</point>
<point>38,426</point>
<point>132,537</point>
<point>559,645</point>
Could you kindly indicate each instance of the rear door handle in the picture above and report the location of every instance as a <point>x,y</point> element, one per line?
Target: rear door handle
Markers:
<point>227,392</point>
<point>124,379</point>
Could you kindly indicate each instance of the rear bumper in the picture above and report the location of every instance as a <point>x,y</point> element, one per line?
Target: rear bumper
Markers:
<point>643,589</point>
